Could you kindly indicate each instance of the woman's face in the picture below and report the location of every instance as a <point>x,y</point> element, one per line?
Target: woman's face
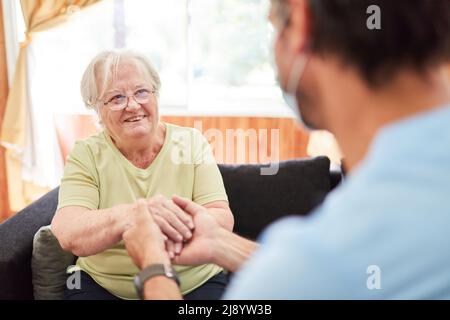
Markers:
<point>136,120</point>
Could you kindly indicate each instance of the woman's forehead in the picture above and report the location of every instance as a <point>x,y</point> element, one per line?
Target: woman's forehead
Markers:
<point>122,86</point>
<point>127,74</point>
<point>129,68</point>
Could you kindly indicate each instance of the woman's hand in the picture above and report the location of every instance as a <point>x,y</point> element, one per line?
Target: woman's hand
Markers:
<point>173,248</point>
<point>176,224</point>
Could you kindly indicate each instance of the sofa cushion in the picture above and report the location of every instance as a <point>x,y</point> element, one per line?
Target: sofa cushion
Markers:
<point>16,245</point>
<point>48,266</point>
<point>257,200</point>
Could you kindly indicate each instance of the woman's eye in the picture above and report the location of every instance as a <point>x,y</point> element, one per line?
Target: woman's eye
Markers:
<point>141,93</point>
<point>117,99</point>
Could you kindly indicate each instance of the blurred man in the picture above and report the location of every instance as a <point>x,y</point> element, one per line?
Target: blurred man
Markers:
<point>374,73</point>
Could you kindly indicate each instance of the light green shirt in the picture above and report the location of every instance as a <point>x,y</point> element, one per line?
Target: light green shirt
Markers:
<point>98,176</point>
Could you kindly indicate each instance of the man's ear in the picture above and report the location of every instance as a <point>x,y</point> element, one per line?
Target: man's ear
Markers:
<point>298,30</point>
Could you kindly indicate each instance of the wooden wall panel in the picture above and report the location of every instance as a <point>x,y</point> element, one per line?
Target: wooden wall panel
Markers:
<point>4,206</point>
<point>292,141</point>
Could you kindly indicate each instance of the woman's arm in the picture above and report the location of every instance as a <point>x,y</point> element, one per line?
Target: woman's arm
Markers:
<point>86,232</point>
<point>222,213</point>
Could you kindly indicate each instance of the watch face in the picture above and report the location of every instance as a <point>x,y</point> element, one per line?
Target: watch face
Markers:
<point>168,271</point>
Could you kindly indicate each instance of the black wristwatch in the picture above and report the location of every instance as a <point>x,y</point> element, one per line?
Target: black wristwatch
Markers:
<point>152,271</point>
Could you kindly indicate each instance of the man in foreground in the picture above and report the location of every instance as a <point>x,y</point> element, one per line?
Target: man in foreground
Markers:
<point>384,93</point>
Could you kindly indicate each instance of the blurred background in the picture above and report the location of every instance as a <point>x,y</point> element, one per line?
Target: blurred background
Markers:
<point>215,62</point>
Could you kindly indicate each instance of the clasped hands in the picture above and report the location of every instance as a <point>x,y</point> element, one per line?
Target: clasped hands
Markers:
<point>166,230</point>
<point>175,224</point>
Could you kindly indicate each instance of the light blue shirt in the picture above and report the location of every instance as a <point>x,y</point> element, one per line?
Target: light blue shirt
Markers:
<point>383,234</point>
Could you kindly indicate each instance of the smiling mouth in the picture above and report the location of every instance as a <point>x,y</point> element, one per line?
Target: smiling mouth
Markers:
<point>135,119</point>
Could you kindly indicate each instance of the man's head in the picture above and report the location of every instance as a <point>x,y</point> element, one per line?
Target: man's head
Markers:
<point>414,36</point>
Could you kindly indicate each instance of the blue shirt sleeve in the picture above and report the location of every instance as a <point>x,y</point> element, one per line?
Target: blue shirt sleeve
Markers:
<point>271,271</point>
<point>292,263</point>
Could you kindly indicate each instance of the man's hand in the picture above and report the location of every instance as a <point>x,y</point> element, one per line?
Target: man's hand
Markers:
<point>144,240</point>
<point>200,249</point>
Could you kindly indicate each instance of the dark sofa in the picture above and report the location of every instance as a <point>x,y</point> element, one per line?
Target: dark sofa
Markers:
<point>256,201</point>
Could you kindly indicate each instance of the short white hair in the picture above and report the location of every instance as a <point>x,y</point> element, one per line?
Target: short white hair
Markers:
<point>105,64</point>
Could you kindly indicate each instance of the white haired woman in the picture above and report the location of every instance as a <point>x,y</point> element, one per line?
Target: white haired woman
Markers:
<point>133,158</point>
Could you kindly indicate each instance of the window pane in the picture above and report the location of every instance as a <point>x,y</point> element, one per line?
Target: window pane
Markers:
<point>158,28</point>
<point>219,63</point>
<point>231,58</point>
<point>62,53</point>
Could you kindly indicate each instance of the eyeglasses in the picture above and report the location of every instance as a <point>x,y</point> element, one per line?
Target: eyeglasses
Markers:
<point>120,101</point>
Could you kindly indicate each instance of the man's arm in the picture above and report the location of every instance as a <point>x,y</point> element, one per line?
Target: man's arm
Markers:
<point>160,287</point>
<point>232,251</point>
<point>212,243</point>
<point>145,245</point>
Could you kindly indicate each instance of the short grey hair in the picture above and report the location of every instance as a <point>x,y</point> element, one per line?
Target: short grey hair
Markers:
<point>105,65</point>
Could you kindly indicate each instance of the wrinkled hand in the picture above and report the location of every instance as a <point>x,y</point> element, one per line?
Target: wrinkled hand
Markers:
<point>176,224</point>
<point>144,240</point>
<point>173,248</point>
<point>200,249</point>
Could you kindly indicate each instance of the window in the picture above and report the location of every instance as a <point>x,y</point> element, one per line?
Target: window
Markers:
<point>230,47</point>
<point>213,56</point>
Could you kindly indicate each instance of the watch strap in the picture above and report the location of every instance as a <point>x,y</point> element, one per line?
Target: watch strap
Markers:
<point>152,271</point>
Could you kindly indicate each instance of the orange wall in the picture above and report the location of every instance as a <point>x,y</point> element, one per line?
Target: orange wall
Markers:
<point>292,140</point>
<point>290,143</point>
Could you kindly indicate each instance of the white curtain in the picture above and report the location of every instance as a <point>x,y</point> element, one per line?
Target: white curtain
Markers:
<point>42,161</point>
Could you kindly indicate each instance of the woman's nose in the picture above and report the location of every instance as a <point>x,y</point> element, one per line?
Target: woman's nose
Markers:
<point>132,104</point>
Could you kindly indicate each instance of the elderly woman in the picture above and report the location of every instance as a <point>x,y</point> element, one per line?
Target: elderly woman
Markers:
<point>136,156</point>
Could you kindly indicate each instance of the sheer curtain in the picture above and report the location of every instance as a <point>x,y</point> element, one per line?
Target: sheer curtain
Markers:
<point>28,156</point>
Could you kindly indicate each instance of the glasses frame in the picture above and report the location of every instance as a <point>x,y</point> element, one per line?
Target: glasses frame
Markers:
<point>151,91</point>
